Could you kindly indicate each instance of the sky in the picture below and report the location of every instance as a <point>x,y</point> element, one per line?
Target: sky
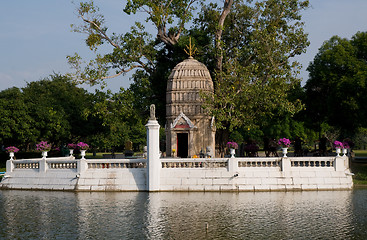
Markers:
<point>36,36</point>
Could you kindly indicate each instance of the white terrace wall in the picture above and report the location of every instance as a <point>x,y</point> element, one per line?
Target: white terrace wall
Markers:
<point>255,174</point>
<point>76,175</point>
<point>199,174</point>
<point>113,175</point>
<point>40,174</point>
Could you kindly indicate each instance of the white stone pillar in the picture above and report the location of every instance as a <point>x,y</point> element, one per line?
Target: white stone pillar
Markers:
<point>233,165</point>
<point>42,165</point>
<point>286,164</point>
<point>9,166</point>
<point>81,165</point>
<point>339,164</point>
<point>153,160</point>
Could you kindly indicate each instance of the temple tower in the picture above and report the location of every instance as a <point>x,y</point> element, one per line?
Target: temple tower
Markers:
<point>189,128</point>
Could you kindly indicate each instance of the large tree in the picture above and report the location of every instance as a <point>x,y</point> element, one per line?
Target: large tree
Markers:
<point>56,105</point>
<point>258,71</point>
<point>336,89</point>
<point>247,45</point>
<point>119,121</point>
<point>16,125</point>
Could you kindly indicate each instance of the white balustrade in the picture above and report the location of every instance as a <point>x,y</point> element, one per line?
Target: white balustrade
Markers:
<point>259,162</point>
<point>313,162</point>
<point>194,163</point>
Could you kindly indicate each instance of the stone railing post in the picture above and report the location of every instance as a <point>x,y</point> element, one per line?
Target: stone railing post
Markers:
<point>286,164</point>
<point>43,165</point>
<point>81,165</point>
<point>233,165</point>
<point>339,163</point>
<point>9,166</point>
<point>153,161</point>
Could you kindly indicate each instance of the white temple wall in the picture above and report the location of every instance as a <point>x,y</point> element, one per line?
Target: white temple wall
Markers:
<point>198,174</point>
<point>228,177</point>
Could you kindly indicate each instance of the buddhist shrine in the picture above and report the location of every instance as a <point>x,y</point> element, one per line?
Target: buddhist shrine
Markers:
<point>189,128</point>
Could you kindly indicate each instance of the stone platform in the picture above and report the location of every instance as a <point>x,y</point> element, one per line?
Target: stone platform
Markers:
<point>196,174</point>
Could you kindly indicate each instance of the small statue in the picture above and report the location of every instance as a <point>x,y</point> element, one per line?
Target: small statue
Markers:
<point>152,112</point>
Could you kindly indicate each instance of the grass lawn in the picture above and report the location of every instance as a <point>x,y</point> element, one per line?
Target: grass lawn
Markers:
<point>99,155</point>
<point>359,169</point>
<point>360,173</point>
<point>360,153</point>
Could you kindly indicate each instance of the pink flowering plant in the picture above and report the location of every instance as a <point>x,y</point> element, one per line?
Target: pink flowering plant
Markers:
<point>11,149</point>
<point>72,146</point>
<point>43,146</point>
<point>284,142</point>
<point>232,145</point>
<point>338,145</point>
<point>346,145</point>
<point>83,146</point>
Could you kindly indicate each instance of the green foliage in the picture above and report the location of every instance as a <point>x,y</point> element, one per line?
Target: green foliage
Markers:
<point>120,121</point>
<point>55,105</point>
<point>56,110</point>
<point>259,41</point>
<point>168,16</point>
<point>132,50</point>
<point>16,125</point>
<point>360,173</point>
<point>336,90</point>
<point>360,138</point>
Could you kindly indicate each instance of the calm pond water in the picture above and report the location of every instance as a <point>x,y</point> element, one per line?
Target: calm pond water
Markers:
<point>260,215</point>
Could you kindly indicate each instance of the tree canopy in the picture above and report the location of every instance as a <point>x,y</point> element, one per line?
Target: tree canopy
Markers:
<point>336,90</point>
<point>55,110</point>
<point>256,41</point>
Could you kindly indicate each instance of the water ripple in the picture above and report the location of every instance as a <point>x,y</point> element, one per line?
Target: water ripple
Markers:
<point>260,215</point>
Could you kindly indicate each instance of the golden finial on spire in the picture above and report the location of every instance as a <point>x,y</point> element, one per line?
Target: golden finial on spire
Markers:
<point>191,49</point>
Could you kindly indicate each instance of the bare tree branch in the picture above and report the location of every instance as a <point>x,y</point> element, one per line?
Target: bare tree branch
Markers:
<point>100,31</point>
<point>218,35</point>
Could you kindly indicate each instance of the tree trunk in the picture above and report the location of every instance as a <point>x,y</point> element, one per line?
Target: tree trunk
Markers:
<point>218,35</point>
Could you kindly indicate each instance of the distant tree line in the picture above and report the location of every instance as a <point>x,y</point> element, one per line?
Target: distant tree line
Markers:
<point>56,110</point>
